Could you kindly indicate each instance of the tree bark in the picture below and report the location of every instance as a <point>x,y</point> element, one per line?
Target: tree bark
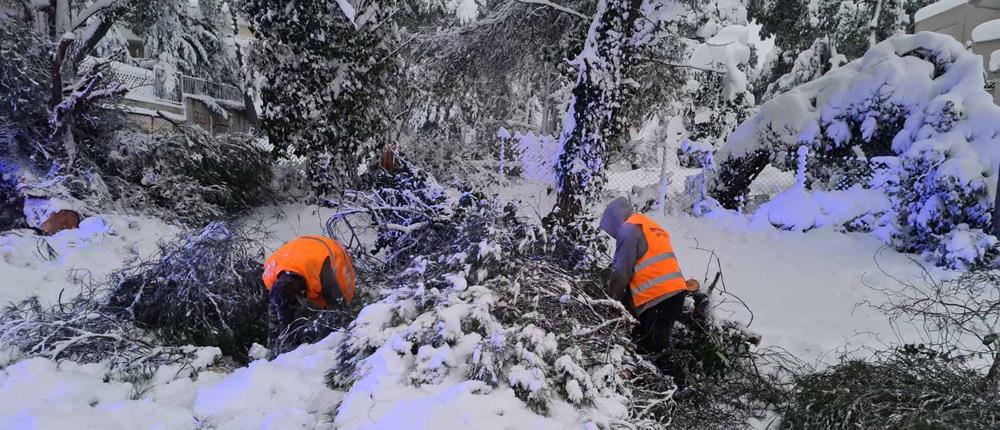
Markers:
<point>996,208</point>
<point>56,72</point>
<point>993,376</point>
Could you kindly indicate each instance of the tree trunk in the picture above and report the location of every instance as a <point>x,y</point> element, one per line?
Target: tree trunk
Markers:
<point>56,95</point>
<point>665,176</point>
<point>873,26</point>
<point>593,122</point>
<point>62,19</point>
<point>993,376</point>
<point>996,208</point>
<point>732,182</point>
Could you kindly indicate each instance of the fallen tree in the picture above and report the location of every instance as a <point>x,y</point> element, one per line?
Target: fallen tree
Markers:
<point>491,299</point>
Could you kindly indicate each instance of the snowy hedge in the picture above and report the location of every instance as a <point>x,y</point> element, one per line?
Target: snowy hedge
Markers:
<point>910,118</point>
<point>187,173</point>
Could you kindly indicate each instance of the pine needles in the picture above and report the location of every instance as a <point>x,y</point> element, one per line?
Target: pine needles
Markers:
<point>897,393</point>
<point>204,289</point>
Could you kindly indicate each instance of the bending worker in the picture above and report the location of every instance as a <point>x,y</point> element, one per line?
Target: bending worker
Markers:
<point>646,277</point>
<point>313,268</point>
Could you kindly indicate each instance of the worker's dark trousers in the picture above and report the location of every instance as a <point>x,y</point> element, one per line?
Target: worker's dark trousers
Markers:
<point>652,335</point>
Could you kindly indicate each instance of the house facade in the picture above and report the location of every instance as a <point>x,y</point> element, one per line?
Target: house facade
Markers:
<point>975,23</point>
<point>157,96</point>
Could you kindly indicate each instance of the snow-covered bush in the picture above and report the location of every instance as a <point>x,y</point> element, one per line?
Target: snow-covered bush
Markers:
<point>204,288</point>
<point>474,307</point>
<point>189,174</point>
<point>905,391</point>
<point>910,119</point>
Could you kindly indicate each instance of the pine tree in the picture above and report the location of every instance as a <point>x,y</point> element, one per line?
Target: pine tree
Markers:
<point>329,72</point>
<point>191,40</point>
<point>833,32</point>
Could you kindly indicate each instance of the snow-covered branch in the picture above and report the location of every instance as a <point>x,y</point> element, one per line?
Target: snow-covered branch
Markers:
<point>557,7</point>
<point>98,7</point>
<point>683,65</point>
<point>406,229</point>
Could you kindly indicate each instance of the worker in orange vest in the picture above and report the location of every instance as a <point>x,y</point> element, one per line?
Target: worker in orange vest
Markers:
<point>313,268</point>
<point>646,276</point>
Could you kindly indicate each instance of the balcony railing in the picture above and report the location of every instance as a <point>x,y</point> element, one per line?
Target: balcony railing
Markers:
<point>196,86</point>
<point>160,85</point>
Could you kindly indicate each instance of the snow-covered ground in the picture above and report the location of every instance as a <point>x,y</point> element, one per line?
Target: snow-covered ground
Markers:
<point>44,266</point>
<point>804,290</point>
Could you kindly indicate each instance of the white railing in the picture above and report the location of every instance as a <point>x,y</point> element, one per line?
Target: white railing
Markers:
<point>158,85</point>
<point>196,86</point>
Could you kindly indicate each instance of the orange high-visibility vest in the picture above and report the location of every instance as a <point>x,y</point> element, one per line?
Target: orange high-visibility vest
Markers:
<point>657,275</point>
<point>305,256</point>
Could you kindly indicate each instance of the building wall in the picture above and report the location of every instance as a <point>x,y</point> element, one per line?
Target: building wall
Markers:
<point>149,124</point>
<point>958,22</point>
<point>950,22</point>
<point>199,114</point>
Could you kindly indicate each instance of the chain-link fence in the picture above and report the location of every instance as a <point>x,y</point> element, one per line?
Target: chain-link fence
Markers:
<point>534,158</point>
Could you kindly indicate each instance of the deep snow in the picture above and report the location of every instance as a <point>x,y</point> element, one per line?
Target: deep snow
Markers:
<point>44,266</point>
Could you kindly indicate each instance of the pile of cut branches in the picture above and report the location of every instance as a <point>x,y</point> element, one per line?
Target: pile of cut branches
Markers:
<point>902,391</point>
<point>480,294</point>
<point>204,289</point>
<point>81,329</point>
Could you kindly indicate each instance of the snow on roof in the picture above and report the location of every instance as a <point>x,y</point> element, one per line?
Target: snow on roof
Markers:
<point>937,8</point>
<point>989,30</point>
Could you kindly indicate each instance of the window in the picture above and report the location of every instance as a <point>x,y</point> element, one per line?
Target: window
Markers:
<point>136,48</point>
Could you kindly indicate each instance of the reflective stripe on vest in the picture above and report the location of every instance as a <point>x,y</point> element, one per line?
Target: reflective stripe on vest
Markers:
<point>657,280</point>
<point>653,260</point>
<point>657,275</point>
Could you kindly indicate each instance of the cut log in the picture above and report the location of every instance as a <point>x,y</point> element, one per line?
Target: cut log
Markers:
<point>59,221</point>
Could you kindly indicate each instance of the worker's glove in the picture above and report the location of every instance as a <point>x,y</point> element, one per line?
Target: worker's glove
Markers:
<point>692,285</point>
<point>688,306</point>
